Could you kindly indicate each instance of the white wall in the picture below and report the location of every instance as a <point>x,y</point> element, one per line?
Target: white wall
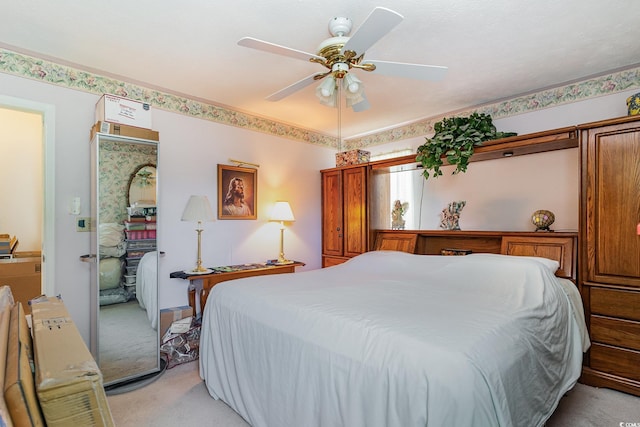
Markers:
<point>189,152</point>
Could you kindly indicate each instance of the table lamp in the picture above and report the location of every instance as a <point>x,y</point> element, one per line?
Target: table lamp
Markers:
<point>198,209</point>
<point>282,212</point>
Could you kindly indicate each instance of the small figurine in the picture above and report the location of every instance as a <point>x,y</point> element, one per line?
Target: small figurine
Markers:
<point>398,211</point>
<point>451,215</point>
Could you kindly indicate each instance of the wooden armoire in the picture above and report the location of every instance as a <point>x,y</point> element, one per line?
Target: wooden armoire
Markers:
<point>344,214</point>
<point>609,256</point>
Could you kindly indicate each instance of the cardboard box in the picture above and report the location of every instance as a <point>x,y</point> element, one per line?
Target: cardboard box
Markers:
<point>353,157</point>
<point>170,315</point>
<point>68,380</point>
<point>124,130</point>
<point>123,111</point>
<point>19,390</point>
<point>23,276</point>
<point>5,316</point>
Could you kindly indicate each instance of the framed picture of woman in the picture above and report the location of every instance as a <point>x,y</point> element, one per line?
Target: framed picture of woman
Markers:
<point>237,192</point>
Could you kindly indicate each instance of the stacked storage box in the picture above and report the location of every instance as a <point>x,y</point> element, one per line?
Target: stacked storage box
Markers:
<point>141,238</point>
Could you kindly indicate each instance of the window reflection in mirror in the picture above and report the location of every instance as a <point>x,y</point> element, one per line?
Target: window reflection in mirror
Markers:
<point>403,184</point>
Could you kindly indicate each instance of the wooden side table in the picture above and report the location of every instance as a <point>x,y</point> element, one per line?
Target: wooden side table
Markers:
<point>229,272</point>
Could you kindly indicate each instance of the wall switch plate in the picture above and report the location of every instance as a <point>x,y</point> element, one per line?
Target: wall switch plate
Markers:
<point>83,224</point>
<point>75,206</point>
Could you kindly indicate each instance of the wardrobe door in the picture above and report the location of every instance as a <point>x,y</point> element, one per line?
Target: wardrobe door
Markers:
<point>355,211</point>
<point>332,231</point>
<point>613,204</point>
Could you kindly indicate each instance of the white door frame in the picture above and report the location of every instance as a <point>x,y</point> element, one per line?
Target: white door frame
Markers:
<point>47,112</point>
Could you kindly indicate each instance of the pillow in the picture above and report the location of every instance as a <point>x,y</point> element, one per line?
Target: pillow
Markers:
<point>111,234</point>
<point>110,273</point>
<point>549,264</point>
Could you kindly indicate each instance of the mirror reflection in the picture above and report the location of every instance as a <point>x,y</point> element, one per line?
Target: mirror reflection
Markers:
<point>142,186</point>
<point>128,341</point>
<point>396,198</point>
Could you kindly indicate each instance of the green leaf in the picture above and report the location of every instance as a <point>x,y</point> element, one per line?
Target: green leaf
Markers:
<point>455,139</point>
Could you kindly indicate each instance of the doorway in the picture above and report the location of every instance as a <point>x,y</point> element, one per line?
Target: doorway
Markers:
<point>33,183</point>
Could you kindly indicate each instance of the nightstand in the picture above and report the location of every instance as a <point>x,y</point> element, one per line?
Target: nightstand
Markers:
<point>229,272</point>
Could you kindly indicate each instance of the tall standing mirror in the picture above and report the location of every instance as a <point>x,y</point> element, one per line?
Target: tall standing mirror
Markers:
<point>124,330</point>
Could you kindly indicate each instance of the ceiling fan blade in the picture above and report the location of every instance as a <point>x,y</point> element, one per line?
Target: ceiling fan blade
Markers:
<point>409,71</point>
<point>276,48</point>
<point>301,84</point>
<point>379,22</point>
<point>361,106</point>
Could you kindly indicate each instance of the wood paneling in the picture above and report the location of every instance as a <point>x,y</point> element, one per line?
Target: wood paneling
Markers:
<point>561,246</point>
<point>396,242</point>
<point>549,246</point>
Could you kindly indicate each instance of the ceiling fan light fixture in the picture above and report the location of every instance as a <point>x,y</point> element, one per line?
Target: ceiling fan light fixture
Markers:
<point>327,87</point>
<point>326,91</point>
<point>352,84</point>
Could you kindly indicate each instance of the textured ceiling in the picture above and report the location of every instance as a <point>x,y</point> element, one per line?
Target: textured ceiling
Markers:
<point>494,49</point>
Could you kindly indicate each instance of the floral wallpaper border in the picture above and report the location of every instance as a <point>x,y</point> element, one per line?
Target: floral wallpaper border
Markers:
<point>62,75</point>
<point>579,91</point>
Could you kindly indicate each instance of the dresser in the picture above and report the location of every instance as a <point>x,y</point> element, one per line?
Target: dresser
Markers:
<point>609,256</point>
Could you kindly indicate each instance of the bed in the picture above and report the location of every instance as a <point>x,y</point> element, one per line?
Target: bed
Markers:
<point>396,339</point>
<point>147,286</point>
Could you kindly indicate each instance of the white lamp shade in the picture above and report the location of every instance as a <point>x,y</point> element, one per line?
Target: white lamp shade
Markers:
<point>282,212</point>
<point>198,209</point>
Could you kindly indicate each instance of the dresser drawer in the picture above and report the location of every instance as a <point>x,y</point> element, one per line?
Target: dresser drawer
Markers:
<point>615,361</point>
<point>622,333</point>
<point>615,303</point>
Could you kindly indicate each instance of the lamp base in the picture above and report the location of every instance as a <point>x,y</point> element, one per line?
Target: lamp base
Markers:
<point>283,262</point>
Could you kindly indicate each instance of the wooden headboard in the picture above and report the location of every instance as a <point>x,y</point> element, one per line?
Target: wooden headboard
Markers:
<point>559,246</point>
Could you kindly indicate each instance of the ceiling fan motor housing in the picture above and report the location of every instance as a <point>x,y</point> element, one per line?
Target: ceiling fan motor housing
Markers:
<point>340,26</point>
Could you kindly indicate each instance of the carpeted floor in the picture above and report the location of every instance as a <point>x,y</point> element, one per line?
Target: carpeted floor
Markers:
<point>128,344</point>
<point>179,398</point>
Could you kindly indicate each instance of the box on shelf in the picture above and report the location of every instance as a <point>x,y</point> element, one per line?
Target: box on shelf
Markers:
<point>7,244</point>
<point>124,111</point>
<point>68,380</point>
<point>353,157</point>
<point>145,244</point>
<point>134,225</point>
<point>140,234</point>
<point>124,130</point>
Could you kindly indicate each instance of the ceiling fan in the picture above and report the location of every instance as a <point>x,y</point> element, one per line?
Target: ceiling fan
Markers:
<point>341,53</point>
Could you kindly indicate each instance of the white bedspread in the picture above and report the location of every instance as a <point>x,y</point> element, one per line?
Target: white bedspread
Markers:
<point>147,286</point>
<point>394,339</point>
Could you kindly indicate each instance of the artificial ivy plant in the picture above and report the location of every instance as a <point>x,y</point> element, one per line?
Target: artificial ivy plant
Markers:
<point>455,139</point>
